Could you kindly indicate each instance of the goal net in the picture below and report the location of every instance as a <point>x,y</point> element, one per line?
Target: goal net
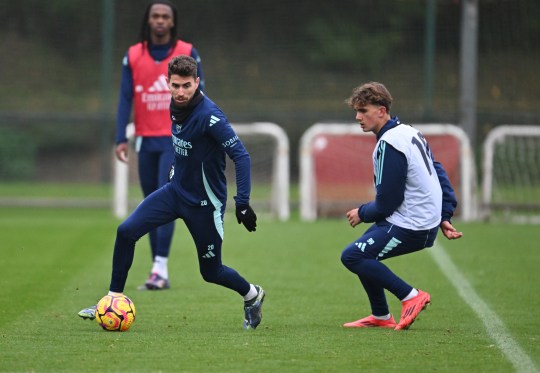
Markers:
<point>336,167</point>
<point>268,146</point>
<point>511,180</point>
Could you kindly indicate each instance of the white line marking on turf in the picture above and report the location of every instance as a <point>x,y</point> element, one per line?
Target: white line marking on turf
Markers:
<point>494,325</point>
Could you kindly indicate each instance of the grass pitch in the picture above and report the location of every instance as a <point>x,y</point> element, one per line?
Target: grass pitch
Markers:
<point>54,262</point>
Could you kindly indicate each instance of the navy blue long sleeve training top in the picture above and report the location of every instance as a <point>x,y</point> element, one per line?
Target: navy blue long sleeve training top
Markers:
<point>201,136</point>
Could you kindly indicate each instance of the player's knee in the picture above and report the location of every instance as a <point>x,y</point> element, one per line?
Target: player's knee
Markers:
<point>345,257</point>
<point>125,231</point>
<point>350,257</point>
<point>210,276</point>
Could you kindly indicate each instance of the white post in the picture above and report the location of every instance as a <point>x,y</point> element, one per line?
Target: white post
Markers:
<point>121,180</point>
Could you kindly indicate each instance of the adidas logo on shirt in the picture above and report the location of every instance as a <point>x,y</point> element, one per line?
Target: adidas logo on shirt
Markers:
<point>213,120</point>
<point>157,96</point>
<point>160,85</point>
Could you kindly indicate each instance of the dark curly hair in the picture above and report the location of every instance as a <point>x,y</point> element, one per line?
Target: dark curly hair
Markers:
<point>182,66</point>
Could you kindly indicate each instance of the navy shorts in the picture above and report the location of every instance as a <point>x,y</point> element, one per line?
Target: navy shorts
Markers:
<point>384,240</point>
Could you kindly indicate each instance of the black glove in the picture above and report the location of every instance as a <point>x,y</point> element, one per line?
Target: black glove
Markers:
<point>246,216</point>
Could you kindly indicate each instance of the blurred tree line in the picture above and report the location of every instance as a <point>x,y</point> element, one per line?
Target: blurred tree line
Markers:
<point>344,34</point>
<point>290,62</point>
<point>241,41</point>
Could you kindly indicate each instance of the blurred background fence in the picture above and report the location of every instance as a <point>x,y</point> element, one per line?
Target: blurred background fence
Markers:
<point>288,62</point>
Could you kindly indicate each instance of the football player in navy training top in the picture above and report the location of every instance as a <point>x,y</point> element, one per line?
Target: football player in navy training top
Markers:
<point>144,87</point>
<point>413,199</point>
<point>197,192</point>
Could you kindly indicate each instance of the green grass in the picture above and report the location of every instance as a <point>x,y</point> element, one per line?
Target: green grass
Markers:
<point>62,190</point>
<point>54,262</point>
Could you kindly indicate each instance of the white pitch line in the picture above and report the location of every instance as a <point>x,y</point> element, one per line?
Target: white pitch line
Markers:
<point>494,325</point>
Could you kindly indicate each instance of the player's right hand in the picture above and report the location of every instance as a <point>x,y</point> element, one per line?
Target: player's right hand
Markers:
<point>121,152</point>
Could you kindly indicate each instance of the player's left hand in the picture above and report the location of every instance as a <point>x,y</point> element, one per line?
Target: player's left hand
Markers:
<point>245,215</point>
<point>449,231</point>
